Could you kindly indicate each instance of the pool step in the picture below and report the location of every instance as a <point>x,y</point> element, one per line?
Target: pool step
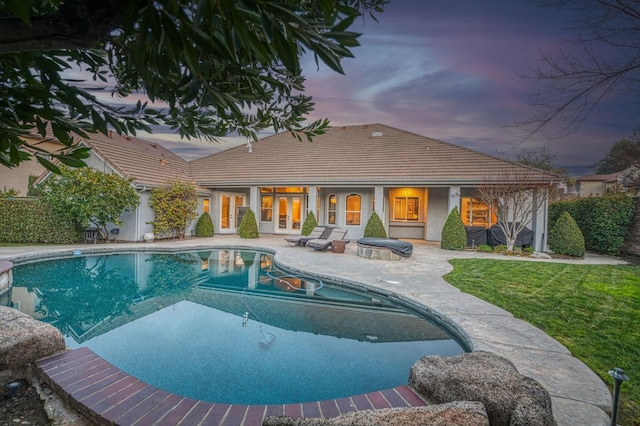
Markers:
<point>109,396</point>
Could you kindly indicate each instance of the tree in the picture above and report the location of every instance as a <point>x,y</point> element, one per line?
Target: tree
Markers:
<point>204,226</point>
<point>538,158</point>
<point>248,226</point>
<point>623,154</point>
<point>309,223</point>
<point>565,237</point>
<point>213,67</point>
<point>375,227</point>
<point>608,33</point>
<point>454,236</point>
<point>86,196</point>
<point>175,207</point>
<point>517,197</point>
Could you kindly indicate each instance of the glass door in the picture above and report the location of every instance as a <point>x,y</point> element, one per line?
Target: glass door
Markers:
<point>289,214</point>
<point>229,204</point>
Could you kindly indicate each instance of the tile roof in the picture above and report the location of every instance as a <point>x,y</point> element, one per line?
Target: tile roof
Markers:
<point>147,162</point>
<point>351,155</point>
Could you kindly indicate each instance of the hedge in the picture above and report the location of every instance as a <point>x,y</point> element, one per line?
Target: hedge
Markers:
<point>30,221</point>
<point>604,221</point>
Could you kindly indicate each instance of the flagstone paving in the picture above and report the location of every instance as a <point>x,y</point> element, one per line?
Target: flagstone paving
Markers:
<point>579,396</point>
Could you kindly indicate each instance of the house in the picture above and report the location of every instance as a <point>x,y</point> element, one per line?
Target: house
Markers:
<point>625,180</point>
<point>411,181</point>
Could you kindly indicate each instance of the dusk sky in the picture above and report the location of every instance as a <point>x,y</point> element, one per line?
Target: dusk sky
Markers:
<point>450,70</point>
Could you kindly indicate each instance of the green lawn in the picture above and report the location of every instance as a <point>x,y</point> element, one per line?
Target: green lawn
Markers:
<point>594,310</point>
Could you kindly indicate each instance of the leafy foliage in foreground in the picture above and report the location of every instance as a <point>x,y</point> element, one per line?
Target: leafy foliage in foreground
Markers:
<point>591,309</point>
<point>212,67</point>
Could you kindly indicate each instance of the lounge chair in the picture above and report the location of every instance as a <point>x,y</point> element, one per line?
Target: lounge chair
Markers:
<point>301,240</point>
<point>323,244</point>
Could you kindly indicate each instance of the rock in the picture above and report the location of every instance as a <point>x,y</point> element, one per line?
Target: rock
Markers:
<point>461,413</point>
<point>24,340</point>
<point>510,398</point>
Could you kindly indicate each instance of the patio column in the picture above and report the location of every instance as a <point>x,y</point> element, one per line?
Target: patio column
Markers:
<point>312,201</point>
<point>454,198</point>
<point>254,200</point>
<point>378,205</point>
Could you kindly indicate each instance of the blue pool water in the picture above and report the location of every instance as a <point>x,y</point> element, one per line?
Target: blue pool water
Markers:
<point>227,326</point>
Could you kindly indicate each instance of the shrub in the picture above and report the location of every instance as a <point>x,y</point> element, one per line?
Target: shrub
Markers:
<point>485,248</point>
<point>204,226</point>
<point>500,248</point>
<point>528,250</point>
<point>30,221</point>
<point>309,223</point>
<point>174,207</point>
<point>249,226</point>
<point>565,237</point>
<point>375,227</point>
<point>454,236</point>
<point>604,221</point>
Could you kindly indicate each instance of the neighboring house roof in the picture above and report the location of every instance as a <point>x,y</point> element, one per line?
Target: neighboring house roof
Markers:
<point>147,162</point>
<point>352,155</point>
<point>611,177</point>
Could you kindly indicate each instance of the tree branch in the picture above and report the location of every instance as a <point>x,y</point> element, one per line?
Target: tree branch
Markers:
<point>77,24</point>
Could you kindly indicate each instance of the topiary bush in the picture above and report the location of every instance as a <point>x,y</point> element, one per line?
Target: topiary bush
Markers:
<point>204,226</point>
<point>249,226</point>
<point>566,238</point>
<point>309,223</point>
<point>375,227</point>
<point>454,237</point>
<point>604,221</point>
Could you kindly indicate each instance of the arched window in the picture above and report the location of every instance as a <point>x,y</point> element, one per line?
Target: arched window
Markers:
<point>354,209</point>
<point>331,210</point>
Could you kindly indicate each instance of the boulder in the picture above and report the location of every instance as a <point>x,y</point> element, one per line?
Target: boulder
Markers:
<point>453,414</point>
<point>510,398</point>
<point>24,340</point>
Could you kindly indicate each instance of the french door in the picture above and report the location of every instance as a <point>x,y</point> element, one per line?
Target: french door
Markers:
<point>229,220</point>
<point>289,214</point>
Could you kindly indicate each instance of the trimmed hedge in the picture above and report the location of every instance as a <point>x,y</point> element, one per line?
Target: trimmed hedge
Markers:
<point>375,227</point>
<point>454,236</point>
<point>204,226</point>
<point>249,227</point>
<point>309,223</point>
<point>604,221</point>
<point>565,237</point>
<point>30,221</point>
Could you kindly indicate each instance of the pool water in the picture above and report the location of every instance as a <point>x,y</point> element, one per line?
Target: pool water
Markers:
<point>227,326</point>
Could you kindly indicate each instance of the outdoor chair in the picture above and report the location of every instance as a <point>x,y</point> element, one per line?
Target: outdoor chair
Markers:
<point>319,244</point>
<point>301,240</point>
<point>91,234</point>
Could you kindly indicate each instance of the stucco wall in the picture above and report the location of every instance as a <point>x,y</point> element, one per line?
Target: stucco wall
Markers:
<point>437,212</point>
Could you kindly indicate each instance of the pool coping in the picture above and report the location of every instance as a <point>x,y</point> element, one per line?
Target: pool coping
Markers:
<point>107,395</point>
<point>579,396</point>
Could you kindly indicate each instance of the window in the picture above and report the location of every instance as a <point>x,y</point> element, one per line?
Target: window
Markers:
<point>406,209</point>
<point>474,212</point>
<point>331,210</point>
<point>266,208</point>
<point>353,209</point>
<point>205,205</point>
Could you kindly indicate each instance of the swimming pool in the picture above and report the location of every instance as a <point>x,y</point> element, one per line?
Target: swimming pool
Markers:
<point>228,326</point>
